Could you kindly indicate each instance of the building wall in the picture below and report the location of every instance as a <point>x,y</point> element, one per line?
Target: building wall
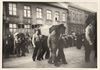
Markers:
<point>77,18</point>
<point>20,19</point>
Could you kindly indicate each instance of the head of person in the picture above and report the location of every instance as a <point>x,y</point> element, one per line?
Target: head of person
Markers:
<point>91,20</point>
<point>38,32</point>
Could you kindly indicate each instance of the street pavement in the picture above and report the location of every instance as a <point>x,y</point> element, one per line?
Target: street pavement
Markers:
<point>74,57</point>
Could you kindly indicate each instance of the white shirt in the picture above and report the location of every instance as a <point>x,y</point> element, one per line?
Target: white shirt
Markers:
<point>87,33</point>
<point>33,40</point>
<point>37,38</point>
<point>15,37</point>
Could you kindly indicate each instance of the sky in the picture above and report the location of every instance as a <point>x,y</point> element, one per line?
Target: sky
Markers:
<point>93,6</point>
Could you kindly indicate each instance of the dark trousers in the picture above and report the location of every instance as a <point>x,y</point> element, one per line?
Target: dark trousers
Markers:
<point>47,53</point>
<point>37,50</point>
<point>87,53</point>
<point>44,50</point>
<point>61,56</point>
<point>20,47</point>
<point>7,51</point>
<point>88,49</point>
<point>17,50</point>
<point>95,49</point>
<point>79,44</point>
<point>23,49</point>
<point>53,55</point>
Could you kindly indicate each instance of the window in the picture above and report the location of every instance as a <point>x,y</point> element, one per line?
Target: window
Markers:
<point>38,12</point>
<point>63,17</point>
<point>49,14</point>
<point>12,28</point>
<point>12,9</point>
<point>27,12</point>
<point>57,15</point>
<point>27,27</point>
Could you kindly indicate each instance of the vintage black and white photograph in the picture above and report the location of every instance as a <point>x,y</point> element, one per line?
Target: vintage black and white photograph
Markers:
<point>49,34</point>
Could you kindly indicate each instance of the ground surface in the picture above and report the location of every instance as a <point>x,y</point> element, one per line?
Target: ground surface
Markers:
<point>74,57</point>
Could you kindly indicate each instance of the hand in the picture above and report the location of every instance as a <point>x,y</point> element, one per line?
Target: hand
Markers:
<point>34,46</point>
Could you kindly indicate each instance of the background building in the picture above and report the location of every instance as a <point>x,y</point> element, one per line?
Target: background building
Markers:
<point>77,18</point>
<point>25,16</point>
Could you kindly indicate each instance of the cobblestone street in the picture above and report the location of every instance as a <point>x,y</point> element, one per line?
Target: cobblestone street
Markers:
<point>74,57</point>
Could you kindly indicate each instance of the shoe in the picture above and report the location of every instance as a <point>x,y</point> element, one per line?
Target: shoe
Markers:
<point>65,62</point>
<point>23,55</point>
<point>57,65</point>
<point>42,58</point>
<point>39,59</point>
<point>33,59</point>
<point>50,62</point>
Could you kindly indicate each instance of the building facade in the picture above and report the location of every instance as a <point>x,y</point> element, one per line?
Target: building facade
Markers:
<point>77,19</point>
<point>25,16</point>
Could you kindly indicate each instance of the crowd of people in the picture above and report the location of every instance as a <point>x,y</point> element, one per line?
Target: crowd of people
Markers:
<point>16,44</point>
<point>51,47</point>
<point>76,40</point>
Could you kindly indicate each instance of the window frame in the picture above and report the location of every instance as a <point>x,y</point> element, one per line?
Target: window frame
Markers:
<point>11,9</point>
<point>14,29</point>
<point>48,13</point>
<point>63,16</point>
<point>57,15</point>
<point>28,27</point>
<point>27,10</point>
<point>39,14</point>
